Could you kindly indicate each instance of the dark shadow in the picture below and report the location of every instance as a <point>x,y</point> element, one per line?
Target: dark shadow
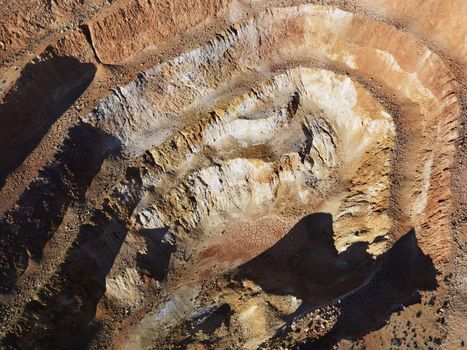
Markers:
<point>155,262</point>
<point>211,320</point>
<point>305,263</point>
<point>404,270</point>
<point>43,92</point>
<point>26,228</point>
<point>63,316</point>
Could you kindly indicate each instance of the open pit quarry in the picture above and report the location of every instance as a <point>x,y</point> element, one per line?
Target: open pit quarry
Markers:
<point>233,174</point>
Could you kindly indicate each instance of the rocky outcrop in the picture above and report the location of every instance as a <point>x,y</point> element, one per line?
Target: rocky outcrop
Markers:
<point>233,174</point>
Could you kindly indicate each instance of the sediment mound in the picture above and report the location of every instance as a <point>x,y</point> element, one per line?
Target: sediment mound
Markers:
<point>232,174</point>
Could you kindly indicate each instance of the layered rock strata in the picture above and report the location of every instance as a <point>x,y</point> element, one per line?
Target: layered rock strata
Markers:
<point>233,174</point>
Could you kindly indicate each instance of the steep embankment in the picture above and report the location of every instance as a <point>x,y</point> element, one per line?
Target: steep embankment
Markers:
<point>232,174</point>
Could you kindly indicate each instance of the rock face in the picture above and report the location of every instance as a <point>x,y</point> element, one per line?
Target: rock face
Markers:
<point>233,174</point>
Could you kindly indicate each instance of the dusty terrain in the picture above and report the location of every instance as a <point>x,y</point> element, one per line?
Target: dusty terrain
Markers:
<point>233,174</point>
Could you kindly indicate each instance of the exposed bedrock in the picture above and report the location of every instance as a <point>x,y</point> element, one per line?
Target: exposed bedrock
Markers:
<point>232,175</point>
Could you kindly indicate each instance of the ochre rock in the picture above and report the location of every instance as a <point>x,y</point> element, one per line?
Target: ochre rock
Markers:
<point>233,174</point>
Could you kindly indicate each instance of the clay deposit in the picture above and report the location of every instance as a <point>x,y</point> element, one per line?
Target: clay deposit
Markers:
<point>233,174</point>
